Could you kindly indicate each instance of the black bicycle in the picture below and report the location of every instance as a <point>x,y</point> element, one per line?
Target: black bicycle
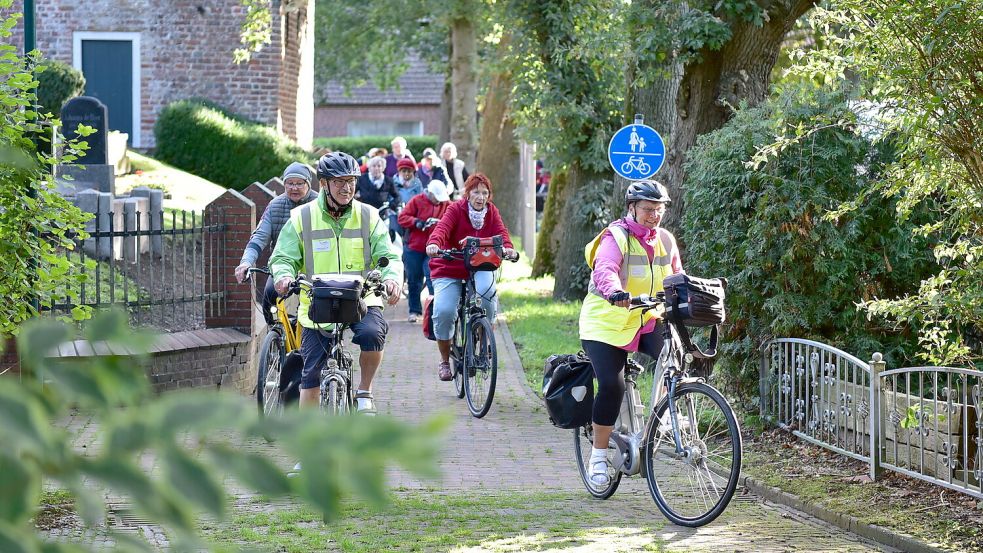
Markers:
<point>474,357</point>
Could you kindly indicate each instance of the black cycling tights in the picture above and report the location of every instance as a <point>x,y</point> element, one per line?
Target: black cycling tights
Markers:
<point>609,366</point>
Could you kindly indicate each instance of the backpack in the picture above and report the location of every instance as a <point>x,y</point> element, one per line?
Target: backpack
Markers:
<point>568,390</point>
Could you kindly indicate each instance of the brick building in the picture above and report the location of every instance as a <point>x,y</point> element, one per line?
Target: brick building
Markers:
<point>412,110</point>
<point>140,55</point>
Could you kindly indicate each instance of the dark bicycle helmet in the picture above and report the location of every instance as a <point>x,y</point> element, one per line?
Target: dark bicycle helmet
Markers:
<point>337,164</point>
<point>650,190</point>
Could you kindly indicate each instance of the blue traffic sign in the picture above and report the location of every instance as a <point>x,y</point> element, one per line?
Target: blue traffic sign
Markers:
<point>636,151</point>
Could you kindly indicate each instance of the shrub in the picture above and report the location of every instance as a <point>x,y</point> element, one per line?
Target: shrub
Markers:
<point>206,140</point>
<point>360,145</point>
<point>58,83</point>
<point>794,272</point>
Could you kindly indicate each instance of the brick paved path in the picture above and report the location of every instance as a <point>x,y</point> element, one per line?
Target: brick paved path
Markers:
<point>515,448</point>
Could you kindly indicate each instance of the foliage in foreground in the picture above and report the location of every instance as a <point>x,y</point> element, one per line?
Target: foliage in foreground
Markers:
<point>918,65</point>
<point>791,272</point>
<point>217,145</point>
<point>36,223</point>
<point>196,439</point>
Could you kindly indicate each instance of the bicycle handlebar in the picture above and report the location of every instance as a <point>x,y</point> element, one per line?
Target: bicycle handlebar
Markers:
<point>373,284</point>
<point>457,253</point>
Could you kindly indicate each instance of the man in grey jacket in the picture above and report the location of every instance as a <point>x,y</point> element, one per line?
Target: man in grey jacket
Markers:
<point>297,179</point>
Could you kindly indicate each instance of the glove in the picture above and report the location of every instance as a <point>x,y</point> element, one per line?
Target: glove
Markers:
<point>420,224</point>
<point>618,296</point>
<point>431,222</point>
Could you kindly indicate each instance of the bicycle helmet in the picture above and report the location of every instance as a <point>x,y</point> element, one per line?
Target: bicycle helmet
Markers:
<point>650,190</point>
<point>337,164</point>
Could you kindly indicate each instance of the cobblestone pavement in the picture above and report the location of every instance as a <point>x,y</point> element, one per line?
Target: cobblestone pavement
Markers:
<point>516,448</point>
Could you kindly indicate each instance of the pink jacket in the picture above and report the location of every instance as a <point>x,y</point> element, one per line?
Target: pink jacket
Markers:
<point>607,264</point>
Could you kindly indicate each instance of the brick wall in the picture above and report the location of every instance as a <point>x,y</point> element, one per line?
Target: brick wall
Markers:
<point>224,366</point>
<point>238,214</point>
<point>186,51</point>
<point>333,120</point>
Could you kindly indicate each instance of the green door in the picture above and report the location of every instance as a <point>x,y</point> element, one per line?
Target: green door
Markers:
<point>108,69</point>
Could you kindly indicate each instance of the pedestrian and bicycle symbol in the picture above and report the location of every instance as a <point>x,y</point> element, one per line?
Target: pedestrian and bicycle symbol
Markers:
<point>636,151</point>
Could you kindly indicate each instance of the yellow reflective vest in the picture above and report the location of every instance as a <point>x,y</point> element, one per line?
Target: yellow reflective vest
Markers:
<point>325,251</point>
<point>602,322</point>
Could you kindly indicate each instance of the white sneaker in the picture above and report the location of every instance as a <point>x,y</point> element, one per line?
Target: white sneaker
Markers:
<point>365,404</point>
<point>599,473</point>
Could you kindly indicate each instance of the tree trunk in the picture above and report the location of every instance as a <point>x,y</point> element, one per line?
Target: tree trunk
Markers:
<point>498,157</point>
<point>711,89</point>
<point>445,115</point>
<point>464,87</point>
<point>547,241</point>
<point>572,272</point>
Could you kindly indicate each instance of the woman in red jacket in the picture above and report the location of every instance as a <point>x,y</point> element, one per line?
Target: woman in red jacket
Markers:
<point>419,217</point>
<point>472,215</point>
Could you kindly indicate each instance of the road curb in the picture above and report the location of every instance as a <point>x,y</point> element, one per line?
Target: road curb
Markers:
<point>515,360</point>
<point>872,532</point>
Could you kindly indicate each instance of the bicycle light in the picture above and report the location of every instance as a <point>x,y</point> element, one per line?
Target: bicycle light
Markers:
<point>333,364</point>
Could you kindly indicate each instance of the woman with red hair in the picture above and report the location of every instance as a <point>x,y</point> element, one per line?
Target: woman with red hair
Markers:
<point>472,215</point>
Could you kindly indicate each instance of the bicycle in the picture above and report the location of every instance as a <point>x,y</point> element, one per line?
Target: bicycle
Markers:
<point>693,440</point>
<point>635,164</point>
<point>336,395</point>
<point>282,340</point>
<point>474,356</point>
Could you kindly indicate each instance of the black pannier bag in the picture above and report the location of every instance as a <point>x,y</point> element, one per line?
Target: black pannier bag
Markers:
<point>568,390</point>
<point>337,301</point>
<point>694,301</point>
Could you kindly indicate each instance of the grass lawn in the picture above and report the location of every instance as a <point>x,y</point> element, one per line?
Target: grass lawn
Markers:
<point>187,192</point>
<point>438,521</point>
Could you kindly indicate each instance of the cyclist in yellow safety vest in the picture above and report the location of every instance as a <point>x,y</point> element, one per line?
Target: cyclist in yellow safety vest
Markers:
<point>628,258</point>
<point>337,234</point>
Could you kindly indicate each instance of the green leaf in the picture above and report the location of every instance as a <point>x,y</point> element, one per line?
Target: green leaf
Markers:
<point>37,338</point>
<point>59,547</point>
<point>21,421</point>
<point>200,410</point>
<point>252,470</point>
<point>78,383</point>
<point>20,488</point>
<point>111,324</point>
<point>193,482</point>
<point>16,540</point>
<point>120,475</point>
<point>128,437</point>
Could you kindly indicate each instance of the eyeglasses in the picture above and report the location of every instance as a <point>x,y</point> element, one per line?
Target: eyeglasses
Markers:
<point>343,182</point>
<point>300,184</point>
<point>650,210</point>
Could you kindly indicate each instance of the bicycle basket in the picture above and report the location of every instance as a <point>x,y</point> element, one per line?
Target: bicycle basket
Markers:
<point>483,254</point>
<point>568,390</point>
<point>337,300</point>
<point>694,301</point>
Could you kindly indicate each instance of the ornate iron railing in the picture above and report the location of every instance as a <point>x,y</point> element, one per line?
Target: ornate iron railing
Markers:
<point>819,393</point>
<point>925,422</point>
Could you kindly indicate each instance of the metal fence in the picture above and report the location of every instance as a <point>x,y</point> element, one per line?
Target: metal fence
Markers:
<point>162,267</point>
<point>925,422</point>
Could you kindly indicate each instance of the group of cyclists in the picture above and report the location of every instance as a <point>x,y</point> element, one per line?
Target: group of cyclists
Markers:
<point>333,232</point>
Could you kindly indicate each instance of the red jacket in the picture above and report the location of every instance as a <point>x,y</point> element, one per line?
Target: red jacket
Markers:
<point>453,227</point>
<point>420,207</point>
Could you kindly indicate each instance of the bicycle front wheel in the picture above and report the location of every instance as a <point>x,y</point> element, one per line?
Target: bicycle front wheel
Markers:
<point>268,397</point>
<point>333,400</point>
<point>694,486</point>
<point>480,367</point>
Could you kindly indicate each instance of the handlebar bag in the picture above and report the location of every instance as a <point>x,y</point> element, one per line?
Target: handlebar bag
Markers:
<point>483,254</point>
<point>694,301</point>
<point>568,390</point>
<point>337,300</point>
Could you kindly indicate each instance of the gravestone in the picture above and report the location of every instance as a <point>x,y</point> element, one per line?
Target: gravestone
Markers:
<point>92,169</point>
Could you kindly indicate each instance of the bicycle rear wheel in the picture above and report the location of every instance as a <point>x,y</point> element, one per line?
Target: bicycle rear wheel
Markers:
<point>480,367</point>
<point>692,488</point>
<point>268,397</point>
<point>583,443</point>
<point>457,357</point>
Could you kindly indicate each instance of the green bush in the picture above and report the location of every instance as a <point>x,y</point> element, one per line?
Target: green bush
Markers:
<point>360,145</point>
<point>58,83</point>
<point>793,271</point>
<point>210,142</point>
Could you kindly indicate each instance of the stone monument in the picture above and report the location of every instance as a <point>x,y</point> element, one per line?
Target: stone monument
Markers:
<point>91,170</point>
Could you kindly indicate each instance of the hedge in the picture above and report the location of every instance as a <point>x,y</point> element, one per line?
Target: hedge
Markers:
<point>208,141</point>
<point>793,271</point>
<point>360,145</point>
<point>58,82</point>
